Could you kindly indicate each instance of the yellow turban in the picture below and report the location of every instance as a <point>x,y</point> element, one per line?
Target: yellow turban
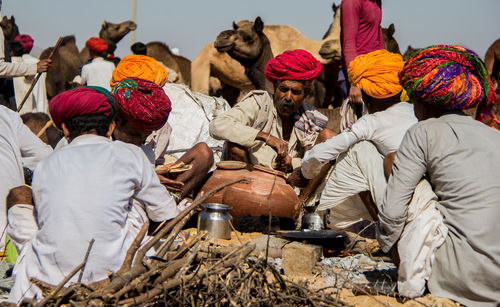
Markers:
<point>139,66</point>
<point>376,73</point>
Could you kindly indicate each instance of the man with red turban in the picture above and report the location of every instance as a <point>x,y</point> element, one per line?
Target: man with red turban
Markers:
<point>143,110</point>
<point>97,71</point>
<point>460,157</point>
<point>275,130</point>
<point>82,192</point>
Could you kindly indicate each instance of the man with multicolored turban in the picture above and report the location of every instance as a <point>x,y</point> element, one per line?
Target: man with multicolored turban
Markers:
<point>82,193</point>
<point>143,110</point>
<point>97,71</point>
<point>359,150</point>
<point>275,130</point>
<point>459,156</point>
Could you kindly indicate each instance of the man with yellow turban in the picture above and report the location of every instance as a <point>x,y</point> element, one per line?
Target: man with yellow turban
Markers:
<point>360,149</point>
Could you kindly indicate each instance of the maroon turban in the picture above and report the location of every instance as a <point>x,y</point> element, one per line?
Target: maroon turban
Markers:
<point>81,101</point>
<point>97,44</point>
<point>143,103</point>
<point>297,65</point>
<point>26,41</point>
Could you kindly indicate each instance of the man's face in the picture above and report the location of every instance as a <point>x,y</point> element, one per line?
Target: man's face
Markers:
<point>288,96</point>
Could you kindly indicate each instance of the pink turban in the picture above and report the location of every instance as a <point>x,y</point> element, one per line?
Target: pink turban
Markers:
<point>81,101</point>
<point>297,65</point>
<point>143,103</point>
<point>26,41</point>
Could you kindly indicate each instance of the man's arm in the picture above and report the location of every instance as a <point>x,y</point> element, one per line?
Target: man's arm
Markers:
<point>21,221</point>
<point>408,169</point>
<point>349,16</point>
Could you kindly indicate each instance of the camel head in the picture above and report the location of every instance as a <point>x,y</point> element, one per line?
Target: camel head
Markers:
<point>410,51</point>
<point>114,32</point>
<point>9,27</point>
<point>244,42</point>
<point>390,43</point>
<point>331,50</point>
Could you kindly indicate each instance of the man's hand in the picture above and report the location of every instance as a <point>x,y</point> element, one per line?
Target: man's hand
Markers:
<point>297,179</point>
<point>43,65</point>
<point>284,164</point>
<point>355,95</point>
<point>19,196</point>
<point>279,145</point>
<point>170,184</point>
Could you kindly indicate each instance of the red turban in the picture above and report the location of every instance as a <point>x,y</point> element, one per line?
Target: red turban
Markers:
<point>143,103</point>
<point>97,44</point>
<point>81,101</point>
<point>296,64</point>
<point>26,41</point>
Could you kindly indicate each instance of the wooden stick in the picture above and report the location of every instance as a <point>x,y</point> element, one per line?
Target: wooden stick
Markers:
<point>85,259</point>
<point>35,80</point>
<point>47,125</point>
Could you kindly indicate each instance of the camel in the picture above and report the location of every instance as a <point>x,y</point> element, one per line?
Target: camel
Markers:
<point>182,66</point>
<point>112,33</point>
<point>410,51</point>
<point>65,66</point>
<point>209,62</point>
<point>9,28</point>
<point>492,63</point>
<point>36,121</point>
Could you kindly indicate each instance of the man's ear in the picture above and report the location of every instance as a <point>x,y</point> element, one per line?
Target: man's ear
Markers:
<point>112,127</point>
<point>65,132</point>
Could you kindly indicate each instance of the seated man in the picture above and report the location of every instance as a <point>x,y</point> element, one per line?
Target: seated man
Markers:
<point>82,192</point>
<point>143,109</point>
<point>275,130</point>
<point>360,149</point>
<point>459,156</point>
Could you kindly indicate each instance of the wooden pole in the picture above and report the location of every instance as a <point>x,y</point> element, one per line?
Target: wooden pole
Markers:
<point>134,19</point>
<point>35,80</point>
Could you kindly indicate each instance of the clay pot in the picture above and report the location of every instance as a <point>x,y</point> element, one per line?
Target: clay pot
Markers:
<point>252,199</point>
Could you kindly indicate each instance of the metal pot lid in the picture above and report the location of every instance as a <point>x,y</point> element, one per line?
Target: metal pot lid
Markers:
<point>217,207</point>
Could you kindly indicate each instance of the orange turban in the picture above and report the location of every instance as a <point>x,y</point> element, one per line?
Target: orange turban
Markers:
<point>376,73</point>
<point>139,66</point>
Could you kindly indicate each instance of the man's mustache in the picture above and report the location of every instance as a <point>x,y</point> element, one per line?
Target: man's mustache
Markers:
<point>286,103</point>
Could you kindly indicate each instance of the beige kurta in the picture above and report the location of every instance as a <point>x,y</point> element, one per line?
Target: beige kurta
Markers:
<point>243,122</point>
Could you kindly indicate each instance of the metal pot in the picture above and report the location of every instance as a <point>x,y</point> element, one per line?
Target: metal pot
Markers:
<point>312,220</point>
<point>216,220</point>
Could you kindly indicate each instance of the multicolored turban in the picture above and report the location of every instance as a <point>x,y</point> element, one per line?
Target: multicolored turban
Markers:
<point>143,103</point>
<point>84,100</point>
<point>26,41</point>
<point>297,65</point>
<point>139,66</point>
<point>450,77</point>
<point>376,73</point>
<point>97,44</point>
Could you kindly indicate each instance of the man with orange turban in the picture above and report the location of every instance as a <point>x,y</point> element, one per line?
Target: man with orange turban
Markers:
<point>97,71</point>
<point>82,193</point>
<point>460,156</point>
<point>359,150</point>
<point>274,131</point>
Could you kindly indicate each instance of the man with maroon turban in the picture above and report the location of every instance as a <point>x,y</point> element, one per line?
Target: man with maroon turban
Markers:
<point>82,193</point>
<point>275,130</point>
<point>98,71</point>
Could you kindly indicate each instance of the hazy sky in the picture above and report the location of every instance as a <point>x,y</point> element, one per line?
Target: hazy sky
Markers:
<point>189,25</point>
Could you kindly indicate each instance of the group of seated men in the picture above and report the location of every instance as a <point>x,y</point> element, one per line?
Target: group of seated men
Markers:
<point>437,210</point>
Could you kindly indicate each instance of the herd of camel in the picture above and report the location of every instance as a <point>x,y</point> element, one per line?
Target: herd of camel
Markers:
<point>234,63</point>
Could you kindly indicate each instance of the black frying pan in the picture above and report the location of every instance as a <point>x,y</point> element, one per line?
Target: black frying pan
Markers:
<point>327,238</point>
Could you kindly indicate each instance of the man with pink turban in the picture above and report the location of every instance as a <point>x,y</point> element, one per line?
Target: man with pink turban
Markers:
<point>81,193</point>
<point>275,130</point>
<point>459,156</point>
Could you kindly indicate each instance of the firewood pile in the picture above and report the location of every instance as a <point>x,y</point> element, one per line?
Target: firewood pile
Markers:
<point>195,272</point>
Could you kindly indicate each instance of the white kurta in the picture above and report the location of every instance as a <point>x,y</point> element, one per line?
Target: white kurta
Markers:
<point>81,196</point>
<point>385,129</point>
<point>98,73</point>
<point>9,70</point>
<point>37,101</point>
<point>18,147</point>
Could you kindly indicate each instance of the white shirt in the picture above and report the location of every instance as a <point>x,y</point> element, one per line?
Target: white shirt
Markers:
<point>98,73</point>
<point>385,129</point>
<point>18,147</point>
<point>80,195</point>
<point>9,70</point>
<point>37,101</point>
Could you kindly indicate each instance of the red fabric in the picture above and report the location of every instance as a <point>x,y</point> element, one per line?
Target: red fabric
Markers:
<point>143,103</point>
<point>296,64</point>
<point>97,44</point>
<point>361,32</point>
<point>77,102</point>
<point>26,41</point>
